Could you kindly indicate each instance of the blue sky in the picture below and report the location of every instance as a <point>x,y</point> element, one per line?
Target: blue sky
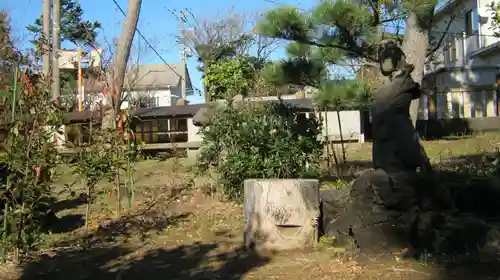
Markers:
<point>157,24</point>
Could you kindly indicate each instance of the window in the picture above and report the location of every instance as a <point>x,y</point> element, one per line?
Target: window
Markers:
<point>471,22</point>
<point>178,125</point>
<point>453,50</point>
<point>468,23</point>
<point>450,50</point>
<point>447,58</point>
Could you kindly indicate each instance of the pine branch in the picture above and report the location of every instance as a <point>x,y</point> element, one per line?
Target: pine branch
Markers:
<point>361,64</point>
<point>400,16</point>
<point>356,51</point>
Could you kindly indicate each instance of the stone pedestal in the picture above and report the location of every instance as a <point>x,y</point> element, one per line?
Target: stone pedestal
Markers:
<point>376,213</point>
<point>281,214</point>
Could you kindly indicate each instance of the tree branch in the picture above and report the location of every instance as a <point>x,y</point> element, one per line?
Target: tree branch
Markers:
<point>356,51</point>
<point>362,64</point>
<point>400,16</point>
<point>440,42</point>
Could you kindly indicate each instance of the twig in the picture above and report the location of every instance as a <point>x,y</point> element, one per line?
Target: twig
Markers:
<point>393,268</point>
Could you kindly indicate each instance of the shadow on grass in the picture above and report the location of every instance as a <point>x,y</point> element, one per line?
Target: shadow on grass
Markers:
<point>467,194</point>
<point>137,226</point>
<point>67,223</point>
<point>195,261</point>
<point>444,129</point>
<point>460,225</point>
<point>66,204</point>
<point>100,257</point>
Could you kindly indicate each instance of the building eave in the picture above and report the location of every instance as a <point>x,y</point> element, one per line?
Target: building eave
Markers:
<point>446,8</point>
<point>461,68</point>
<point>485,50</point>
<point>152,88</point>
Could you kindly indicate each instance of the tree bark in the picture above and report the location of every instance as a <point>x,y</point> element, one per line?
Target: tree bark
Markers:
<point>47,53</point>
<point>415,46</point>
<point>122,54</point>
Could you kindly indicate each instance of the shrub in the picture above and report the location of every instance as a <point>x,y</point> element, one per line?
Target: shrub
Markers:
<point>28,165</point>
<point>259,141</point>
<point>102,158</point>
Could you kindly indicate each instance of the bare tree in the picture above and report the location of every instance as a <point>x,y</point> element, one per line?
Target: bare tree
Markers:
<point>132,79</point>
<point>213,40</point>
<point>131,94</point>
<point>99,79</point>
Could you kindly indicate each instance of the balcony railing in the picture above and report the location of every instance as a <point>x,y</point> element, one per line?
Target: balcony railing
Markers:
<point>457,51</point>
<point>478,42</point>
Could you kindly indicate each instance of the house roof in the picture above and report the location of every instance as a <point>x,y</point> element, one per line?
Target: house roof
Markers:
<point>144,77</point>
<point>189,110</point>
<point>202,116</point>
<point>165,111</point>
<point>156,75</point>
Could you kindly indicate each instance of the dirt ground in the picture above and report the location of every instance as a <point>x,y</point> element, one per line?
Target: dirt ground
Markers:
<point>180,228</point>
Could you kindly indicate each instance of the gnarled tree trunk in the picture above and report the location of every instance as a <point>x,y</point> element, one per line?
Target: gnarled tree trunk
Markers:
<point>415,46</point>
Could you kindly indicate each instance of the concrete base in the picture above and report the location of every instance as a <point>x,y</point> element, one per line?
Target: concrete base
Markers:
<point>192,153</point>
<point>281,214</point>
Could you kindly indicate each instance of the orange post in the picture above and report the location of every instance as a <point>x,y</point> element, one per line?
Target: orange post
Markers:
<point>80,81</point>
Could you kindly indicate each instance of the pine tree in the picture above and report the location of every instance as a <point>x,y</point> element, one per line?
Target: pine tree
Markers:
<point>348,31</point>
<point>8,53</point>
<point>74,28</point>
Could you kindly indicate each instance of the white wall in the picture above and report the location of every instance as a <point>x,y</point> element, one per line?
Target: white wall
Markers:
<point>159,98</point>
<point>162,97</point>
<point>466,47</point>
<point>455,84</point>
<point>486,22</point>
<point>460,78</point>
<point>193,131</point>
<point>166,97</point>
<point>350,122</point>
<point>453,33</point>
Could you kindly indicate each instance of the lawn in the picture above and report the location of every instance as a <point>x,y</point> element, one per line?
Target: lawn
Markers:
<point>438,150</point>
<point>180,228</point>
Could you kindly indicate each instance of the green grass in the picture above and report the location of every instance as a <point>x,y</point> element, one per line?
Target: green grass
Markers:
<point>439,150</point>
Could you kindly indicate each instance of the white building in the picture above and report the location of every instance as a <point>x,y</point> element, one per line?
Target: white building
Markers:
<point>463,69</point>
<point>151,85</point>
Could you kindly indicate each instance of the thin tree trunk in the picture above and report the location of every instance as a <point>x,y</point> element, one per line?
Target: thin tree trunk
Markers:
<point>87,208</point>
<point>416,34</point>
<point>344,158</point>
<point>327,142</point>
<point>120,61</point>
<point>118,193</point>
<point>205,87</point>
<point>56,48</point>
